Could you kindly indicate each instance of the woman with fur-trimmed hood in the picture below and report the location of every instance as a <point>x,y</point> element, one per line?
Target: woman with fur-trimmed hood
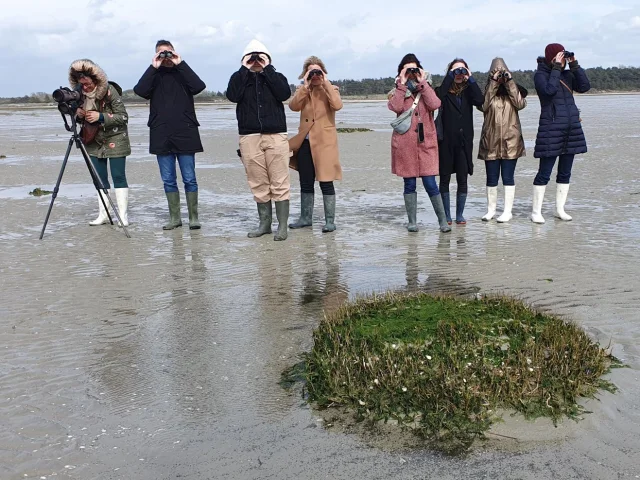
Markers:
<point>104,131</point>
<point>501,142</point>
<point>315,146</point>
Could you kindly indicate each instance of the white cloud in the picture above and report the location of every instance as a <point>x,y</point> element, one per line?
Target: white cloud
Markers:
<point>355,39</point>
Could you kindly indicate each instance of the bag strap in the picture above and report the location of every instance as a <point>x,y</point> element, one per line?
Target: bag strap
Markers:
<point>415,102</point>
<point>566,86</point>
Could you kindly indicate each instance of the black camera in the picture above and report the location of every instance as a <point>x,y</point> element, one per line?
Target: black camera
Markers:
<point>165,54</point>
<point>68,100</point>
<point>568,54</point>
<point>414,71</point>
<point>314,73</point>
<point>461,71</point>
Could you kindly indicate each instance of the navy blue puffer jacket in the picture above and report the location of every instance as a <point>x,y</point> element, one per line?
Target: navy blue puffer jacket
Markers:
<point>559,130</point>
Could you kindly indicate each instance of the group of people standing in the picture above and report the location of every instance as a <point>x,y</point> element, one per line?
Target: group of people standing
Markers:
<point>431,146</point>
<point>443,144</point>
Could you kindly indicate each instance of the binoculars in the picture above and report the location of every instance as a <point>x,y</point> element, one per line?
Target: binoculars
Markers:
<point>314,73</point>
<point>415,71</point>
<point>461,71</point>
<point>165,54</point>
<point>568,54</point>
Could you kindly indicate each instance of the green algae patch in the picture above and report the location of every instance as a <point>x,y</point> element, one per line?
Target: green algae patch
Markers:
<point>353,130</point>
<point>444,366</point>
<point>38,192</point>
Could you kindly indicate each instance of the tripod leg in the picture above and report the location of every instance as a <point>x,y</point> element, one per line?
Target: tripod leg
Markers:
<point>97,182</point>
<point>57,187</point>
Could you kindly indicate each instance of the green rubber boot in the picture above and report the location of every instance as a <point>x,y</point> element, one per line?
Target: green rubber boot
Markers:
<point>174,211</point>
<point>438,207</point>
<point>282,212</point>
<point>411,204</point>
<point>265,214</point>
<point>329,213</point>
<point>306,211</point>
<point>192,205</point>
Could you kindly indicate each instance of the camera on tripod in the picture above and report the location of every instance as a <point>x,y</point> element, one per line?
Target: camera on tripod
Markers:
<point>68,100</point>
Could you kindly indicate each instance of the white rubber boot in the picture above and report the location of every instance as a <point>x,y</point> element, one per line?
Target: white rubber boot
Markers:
<point>102,213</point>
<point>561,198</point>
<point>492,202</point>
<point>122,198</point>
<point>538,197</point>
<point>509,195</point>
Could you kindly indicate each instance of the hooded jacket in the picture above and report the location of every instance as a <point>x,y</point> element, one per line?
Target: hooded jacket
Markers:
<point>259,97</point>
<point>559,131</point>
<point>501,137</point>
<point>172,116</point>
<point>112,139</point>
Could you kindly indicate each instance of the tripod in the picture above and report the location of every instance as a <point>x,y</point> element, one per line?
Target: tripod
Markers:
<point>97,182</point>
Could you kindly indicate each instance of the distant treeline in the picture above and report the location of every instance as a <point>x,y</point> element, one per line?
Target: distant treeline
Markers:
<point>614,79</point>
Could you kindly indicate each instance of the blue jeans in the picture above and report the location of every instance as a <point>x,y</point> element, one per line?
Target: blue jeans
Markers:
<point>546,167</point>
<point>495,167</point>
<point>429,183</point>
<point>187,162</point>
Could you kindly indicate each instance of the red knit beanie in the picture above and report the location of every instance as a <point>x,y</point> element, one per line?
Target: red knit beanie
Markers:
<point>551,51</point>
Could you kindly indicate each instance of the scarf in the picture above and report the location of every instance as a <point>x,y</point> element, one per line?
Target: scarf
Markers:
<point>90,104</point>
<point>458,88</point>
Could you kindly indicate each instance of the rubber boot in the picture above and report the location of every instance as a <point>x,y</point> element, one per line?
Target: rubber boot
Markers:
<point>461,199</point>
<point>306,211</point>
<point>122,199</point>
<point>538,197</point>
<point>438,207</point>
<point>102,212</point>
<point>446,202</point>
<point>173,198</point>
<point>509,195</point>
<point>329,213</point>
<point>411,204</point>
<point>192,206</point>
<point>492,202</point>
<point>562,191</point>
<point>265,214</point>
<point>282,214</point>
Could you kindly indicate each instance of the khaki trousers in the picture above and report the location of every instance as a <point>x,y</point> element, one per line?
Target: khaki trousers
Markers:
<point>266,162</point>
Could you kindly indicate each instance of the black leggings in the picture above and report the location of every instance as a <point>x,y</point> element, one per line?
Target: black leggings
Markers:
<point>461,178</point>
<point>308,172</point>
<point>462,172</point>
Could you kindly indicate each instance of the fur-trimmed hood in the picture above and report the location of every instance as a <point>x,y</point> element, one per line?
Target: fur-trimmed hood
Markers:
<point>90,69</point>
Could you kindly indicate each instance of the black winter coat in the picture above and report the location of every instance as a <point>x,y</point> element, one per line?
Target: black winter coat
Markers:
<point>259,98</point>
<point>559,131</point>
<point>457,126</point>
<point>172,115</point>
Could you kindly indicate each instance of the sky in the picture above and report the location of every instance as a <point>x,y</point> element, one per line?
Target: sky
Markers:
<point>355,40</point>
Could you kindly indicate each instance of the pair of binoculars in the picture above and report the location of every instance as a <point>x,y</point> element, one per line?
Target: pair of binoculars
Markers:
<point>461,71</point>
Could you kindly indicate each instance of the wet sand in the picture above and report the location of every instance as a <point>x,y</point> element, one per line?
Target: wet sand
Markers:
<point>159,356</point>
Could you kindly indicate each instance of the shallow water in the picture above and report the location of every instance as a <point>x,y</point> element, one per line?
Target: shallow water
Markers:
<point>159,356</point>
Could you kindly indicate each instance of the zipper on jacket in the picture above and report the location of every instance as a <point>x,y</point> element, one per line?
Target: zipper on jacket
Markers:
<point>258,102</point>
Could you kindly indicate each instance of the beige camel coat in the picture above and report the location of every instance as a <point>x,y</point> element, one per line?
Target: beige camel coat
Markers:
<point>318,106</point>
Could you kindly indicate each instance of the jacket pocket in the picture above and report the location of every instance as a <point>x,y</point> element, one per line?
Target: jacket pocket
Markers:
<point>191,119</point>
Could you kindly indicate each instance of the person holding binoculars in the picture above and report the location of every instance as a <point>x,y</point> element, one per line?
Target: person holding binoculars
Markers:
<point>258,90</point>
<point>315,146</point>
<point>170,85</point>
<point>459,93</point>
<point>501,142</point>
<point>104,131</point>
<point>414,147</point>
<point>560,132</point>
